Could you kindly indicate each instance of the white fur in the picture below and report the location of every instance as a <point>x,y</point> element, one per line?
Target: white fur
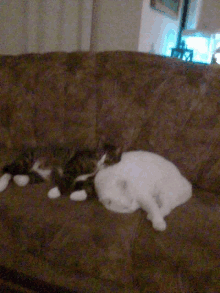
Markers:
<point>21,180</point>
<point>100,165</point>
<point>4,181</point>
<point>84,177</point>
<point>143,180</point>
<point>78,195</point>
<point>101,162</point>
<point>54,192</point>
<point>44,173</point>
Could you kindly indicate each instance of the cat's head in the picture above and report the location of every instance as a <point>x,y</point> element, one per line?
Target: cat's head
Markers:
<point>114,193</point>
<point>118,200</point>
<point>109,155</point>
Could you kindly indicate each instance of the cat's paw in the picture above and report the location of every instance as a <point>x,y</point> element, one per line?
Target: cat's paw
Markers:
<point>54,193</point>
<point>78,195</point>
<point>4,181</point>
<point>21,180</point>
<point>159,225</point>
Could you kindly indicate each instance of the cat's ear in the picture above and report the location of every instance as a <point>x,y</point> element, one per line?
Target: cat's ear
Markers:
<point>109,152</point>
<point>113,154</point>
<point>109,147</point>
<point>112,149</point>
<point>118,153</point>
<point>105,145</point>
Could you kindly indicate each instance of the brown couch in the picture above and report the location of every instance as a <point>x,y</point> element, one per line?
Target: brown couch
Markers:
<point>137,101</point>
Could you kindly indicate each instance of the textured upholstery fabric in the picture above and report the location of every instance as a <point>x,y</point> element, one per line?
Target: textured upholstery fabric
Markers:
<point>136,101</point>
<point>47,99</point>
<point>169,107</point>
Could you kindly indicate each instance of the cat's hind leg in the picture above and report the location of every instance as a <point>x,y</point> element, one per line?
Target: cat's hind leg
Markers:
<point>149,205</point>
<point>165,199</point>
<point>165,210</point>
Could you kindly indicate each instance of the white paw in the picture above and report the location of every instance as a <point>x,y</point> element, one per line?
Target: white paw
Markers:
<point>159,225</point>
<point>4,180</point>
<point>78,195</point>
<point>21,180</point>
<point>54,193</point>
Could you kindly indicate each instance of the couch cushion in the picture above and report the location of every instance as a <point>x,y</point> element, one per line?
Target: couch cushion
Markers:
<point>47,99</point>
<point>185,257</point>
<point>45,238</point>
<point>137,100</point>
<point>163,105</point>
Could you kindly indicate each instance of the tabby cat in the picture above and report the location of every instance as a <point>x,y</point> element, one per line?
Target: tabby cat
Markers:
<point>33,165</point>
<point>77,177</point>
<point>70,172</point>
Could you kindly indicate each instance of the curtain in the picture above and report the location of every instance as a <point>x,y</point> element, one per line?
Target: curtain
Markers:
<point>45,25</point>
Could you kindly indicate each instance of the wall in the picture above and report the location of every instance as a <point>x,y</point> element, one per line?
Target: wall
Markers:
<point>209,19</point>
<point>158,33</point>
<point>116,25</point>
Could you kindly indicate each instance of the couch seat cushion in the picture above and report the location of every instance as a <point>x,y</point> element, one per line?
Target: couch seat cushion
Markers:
<point>46,238</point>
<point>185,257</point>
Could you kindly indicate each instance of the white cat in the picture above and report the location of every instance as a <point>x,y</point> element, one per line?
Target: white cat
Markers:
<point>143,180</point>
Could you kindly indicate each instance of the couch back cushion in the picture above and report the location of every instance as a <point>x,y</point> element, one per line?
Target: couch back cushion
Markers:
<point>135,100</point>
<point>47,99</point>
<point>162,105</point>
